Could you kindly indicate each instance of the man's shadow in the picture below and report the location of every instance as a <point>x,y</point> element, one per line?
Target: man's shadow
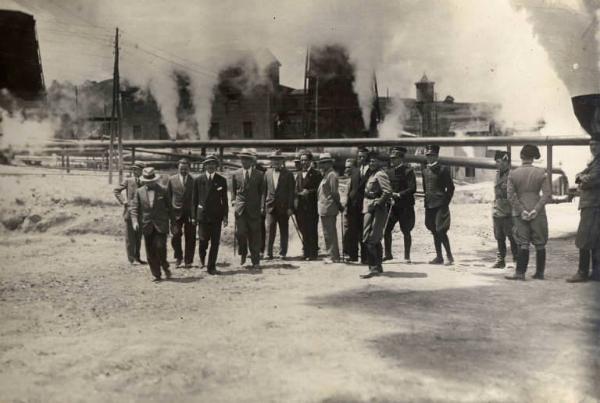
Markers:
<point>403,274</point>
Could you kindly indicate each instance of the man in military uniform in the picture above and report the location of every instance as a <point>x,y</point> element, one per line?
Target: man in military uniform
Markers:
<point>354,206</point>
<point>588,233</point>
<point>404,186</point>
<point>439,189</point>
<point>133,239</point>
<point>377,192</point>
<point>502,213</point>
<point>529,212</point>
<point>306,210</point>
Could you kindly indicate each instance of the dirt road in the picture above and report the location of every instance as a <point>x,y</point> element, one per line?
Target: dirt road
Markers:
<point>81,324</point>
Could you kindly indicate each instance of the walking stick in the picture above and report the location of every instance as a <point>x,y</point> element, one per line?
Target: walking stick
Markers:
<point>342,225</point>
<point>234,236</point>
<point>387,219</point>
<point>297,230</point>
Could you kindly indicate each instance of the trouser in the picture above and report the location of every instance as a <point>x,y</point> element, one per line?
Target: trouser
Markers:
<point>156,251</point>
<point>328,225</point>
<point>503,229</point>
<point>308,225</point>
<point>179,228</point>
<point>353,230</point>
<point>263,234</point>
<point>587,256</point>
<point>281,220</point>
<point>209,232</point>
<point>133,241</point>
<point>440,235</point>
<point>405,216</point>
<point>249,235</point>
<point>374,225</point>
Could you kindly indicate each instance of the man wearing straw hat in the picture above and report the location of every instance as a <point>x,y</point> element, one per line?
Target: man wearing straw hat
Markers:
<point>151,210</point>
<point>133,239</point>
<point>375,209</point>
<point>307,213</point>
<point>247,192</point>
<point>279,203</point>
<point>329,206</point>
<point>210,211</point>
<point>180,187</point>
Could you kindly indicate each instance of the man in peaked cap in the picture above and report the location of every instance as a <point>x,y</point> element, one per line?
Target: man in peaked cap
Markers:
<point>307,214</point>
<point>150,210</point>
<point>404,185</point>
<point>502,212</point>
<point>210,211</point>
<point>180,188</point>
<point>247,193</point>
<point>354,206</point>
<point>529,212</point>
<point>133,239</point>
<point>439,189</point>
<point>279,203</point>
<point>329,206</point>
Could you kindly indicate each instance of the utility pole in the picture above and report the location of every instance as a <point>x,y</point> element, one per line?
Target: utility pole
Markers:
<point>119,111</point>
<point>305,99</point>
<point>115,124</point>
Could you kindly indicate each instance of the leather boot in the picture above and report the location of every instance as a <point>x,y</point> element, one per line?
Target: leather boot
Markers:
<point>500,263</point>
<point>540,264</point>
<point>522,261</point>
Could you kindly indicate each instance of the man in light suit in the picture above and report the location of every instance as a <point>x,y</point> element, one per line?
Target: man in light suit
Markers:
<point>150,209</point>
<point>329,206</point>
<point>133,239</point>
<point>180,187</point>
<point>279,203</point>
<point>210,210</point>
<point>247,192</point>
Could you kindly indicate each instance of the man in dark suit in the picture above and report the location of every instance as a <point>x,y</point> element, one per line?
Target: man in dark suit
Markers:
<point>354,207</point>
<point>247,192</point>
<point>279,203</point>
<point>210,209</point>
<point>133,239</point>
<point>150,209</point>
<point>180,187</point>
<point>307,214</point>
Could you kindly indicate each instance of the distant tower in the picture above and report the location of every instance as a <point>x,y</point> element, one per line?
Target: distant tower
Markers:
<point>426,106</point>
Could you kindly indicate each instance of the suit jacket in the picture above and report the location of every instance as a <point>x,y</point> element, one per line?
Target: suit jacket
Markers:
<point>210,199</point>
<point>248,197</point>
<point>356,190</point>
<point>329,195</point>
<point>180,196</point>
<point>307,204</point>
<point>151,216</point>
<point>130,185</point>
<point>377,191</point>
<point>281,198</point>
<point>524,186</point>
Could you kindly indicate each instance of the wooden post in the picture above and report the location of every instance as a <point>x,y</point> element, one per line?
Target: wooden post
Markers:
<point>62,159</point>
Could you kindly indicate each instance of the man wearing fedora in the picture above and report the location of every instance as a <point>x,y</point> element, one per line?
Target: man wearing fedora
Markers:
<point>354,207</point>
<point>210,210</point>
<point>404,185</point>
<point>329,206</point>
<point>247,193</point>
<point>307,213</point>
<point>439,189</point>
<point>150,209</point>
<point>279,202</point>
<point>588,232</point>
<point>529,211</point>
<point>378,190</point>
<point>133,238</point>
<point>180,187</point>
<point>502,212</point>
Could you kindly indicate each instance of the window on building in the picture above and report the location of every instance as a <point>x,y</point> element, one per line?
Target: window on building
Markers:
<point>469,172</point>
<point>137,131</point>
<point>213,132</point>
<point>248,130</point>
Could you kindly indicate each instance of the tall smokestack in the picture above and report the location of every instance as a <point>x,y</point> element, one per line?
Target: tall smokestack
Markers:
<point>587,111</point>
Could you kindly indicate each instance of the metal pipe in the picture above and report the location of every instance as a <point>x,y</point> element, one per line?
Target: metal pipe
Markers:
<point>346,142</point>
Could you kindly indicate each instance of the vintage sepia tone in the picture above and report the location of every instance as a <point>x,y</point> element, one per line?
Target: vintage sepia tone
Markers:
<point>300,201</point>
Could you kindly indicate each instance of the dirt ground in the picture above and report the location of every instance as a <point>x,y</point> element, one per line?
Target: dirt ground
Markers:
<point>79,323</point>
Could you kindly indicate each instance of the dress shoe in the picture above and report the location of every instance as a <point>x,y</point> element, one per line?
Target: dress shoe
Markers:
<point>407,261</point>
<point>578,278</point>
<point>178,263</point>
<point>157,280</point>
<point>140,261</point>
<point>269,257</point>
<point>242,260</point>
<point>213,272</point>
<point>538,276</point>
<point>370,274</point>
<point>282,257</point>
<point>388,258</point>
<point>437,260</point>
<point>516,276</point>
<point>255,266</point>
<point>500,264</point>
<point>187,266</point>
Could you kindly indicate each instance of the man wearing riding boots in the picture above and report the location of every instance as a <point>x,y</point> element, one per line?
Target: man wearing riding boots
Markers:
<point>439,189</point>
<point>529,212</point>
<point>502,213</point>
<point>402,211</point>
<point>588,233</point>
<point>378,190</point>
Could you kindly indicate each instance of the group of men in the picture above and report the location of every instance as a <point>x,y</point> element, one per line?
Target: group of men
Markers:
<point>381,193</point>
